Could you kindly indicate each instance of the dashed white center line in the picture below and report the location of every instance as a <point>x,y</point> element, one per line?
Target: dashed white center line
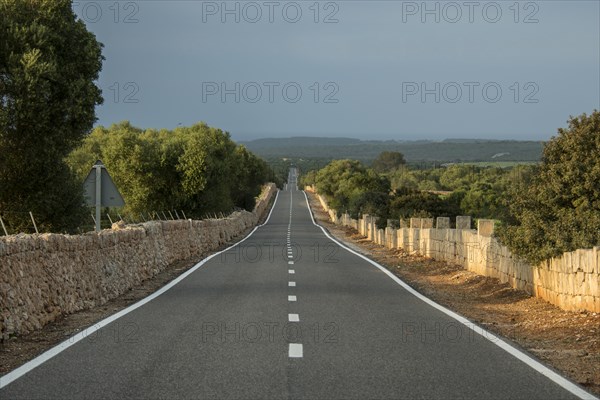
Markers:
<point>293,318</point>
<point>295,350</point>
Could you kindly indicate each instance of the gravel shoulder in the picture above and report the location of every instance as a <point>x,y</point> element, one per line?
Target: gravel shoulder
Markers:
<point>567,341</point>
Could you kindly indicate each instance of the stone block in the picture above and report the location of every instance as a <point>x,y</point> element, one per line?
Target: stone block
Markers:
<point>485,227</point>
<point>442,223</point>
<point>426,223</point>
<point>463,222</point>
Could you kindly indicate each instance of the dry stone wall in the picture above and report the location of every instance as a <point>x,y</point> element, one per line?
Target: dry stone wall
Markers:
<point>44,276</point>
<point>570,281</point>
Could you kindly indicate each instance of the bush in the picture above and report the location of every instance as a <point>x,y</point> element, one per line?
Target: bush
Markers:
<point>556,207</point>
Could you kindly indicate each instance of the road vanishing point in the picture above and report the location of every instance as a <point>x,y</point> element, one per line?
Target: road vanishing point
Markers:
<point>287,313</point>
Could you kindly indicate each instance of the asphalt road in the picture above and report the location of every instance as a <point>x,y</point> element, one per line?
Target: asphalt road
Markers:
<point>257,322</point>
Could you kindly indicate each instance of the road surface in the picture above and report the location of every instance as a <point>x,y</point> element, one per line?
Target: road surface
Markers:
<point>287,314</point>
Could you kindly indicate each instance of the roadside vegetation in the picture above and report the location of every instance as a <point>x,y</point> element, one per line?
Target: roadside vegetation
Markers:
<point>542,209</point>
<point>49,66</point>
<point>198,169</point>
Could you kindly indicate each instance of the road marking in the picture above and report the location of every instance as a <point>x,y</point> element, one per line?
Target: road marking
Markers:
<point>47,355</point>
<point>290,262</point>
<point>292,284</point>
<point>293,318</point>
<point>291,298</point>
<point>536,365</point>
<point>291,271</point>
<point>295,350</point>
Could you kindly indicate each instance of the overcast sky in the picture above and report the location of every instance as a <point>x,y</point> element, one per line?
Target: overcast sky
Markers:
<point>364,69</point>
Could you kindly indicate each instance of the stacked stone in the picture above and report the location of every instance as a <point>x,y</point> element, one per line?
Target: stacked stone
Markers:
<point>571,281</point>
<point>44,276</point>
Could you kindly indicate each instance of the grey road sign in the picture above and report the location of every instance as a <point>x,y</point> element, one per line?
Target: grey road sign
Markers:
<point>101,191</point>
<point>110,196</point>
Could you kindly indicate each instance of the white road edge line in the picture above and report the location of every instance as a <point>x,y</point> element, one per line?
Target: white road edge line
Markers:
<point>42,358</point>
<point>536,365</point>
<point>295,350</point>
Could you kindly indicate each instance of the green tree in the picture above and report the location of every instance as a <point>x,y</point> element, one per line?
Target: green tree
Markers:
<point>408,203</point>
<point>556,207</point>
<point>458,176</point>
<point>250,173</point>
<point>342,180</point>
<point>208,166</point>
<point>48,65</point>
<point>309,178</point>
<point>198,169</point>
<point>387,161</point>
<point>403,178</point>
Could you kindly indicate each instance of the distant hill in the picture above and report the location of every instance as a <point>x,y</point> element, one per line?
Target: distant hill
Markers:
<point>449,150</point>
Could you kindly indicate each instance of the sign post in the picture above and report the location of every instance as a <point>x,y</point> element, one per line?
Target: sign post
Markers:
<point>100,191</point>
<point>98,168</point>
